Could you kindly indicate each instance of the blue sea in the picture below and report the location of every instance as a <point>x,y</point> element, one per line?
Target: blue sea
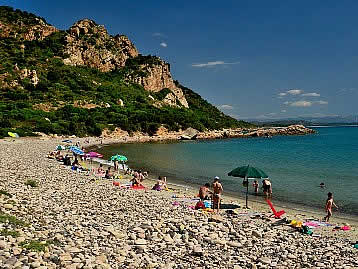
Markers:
<point>296,164</point>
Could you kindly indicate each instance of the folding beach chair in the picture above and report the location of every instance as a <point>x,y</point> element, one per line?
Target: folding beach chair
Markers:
<point>276,214</point>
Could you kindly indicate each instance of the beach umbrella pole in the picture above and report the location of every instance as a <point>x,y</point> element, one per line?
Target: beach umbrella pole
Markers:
<point>247,190</point>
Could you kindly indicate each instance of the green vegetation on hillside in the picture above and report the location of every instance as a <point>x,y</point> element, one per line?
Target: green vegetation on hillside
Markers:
<point>82,100</point>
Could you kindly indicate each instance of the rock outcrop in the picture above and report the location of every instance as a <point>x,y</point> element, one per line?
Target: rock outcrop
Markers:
<point>259,132</point>
<point>158,77</point>
<point>23,31</point>
<point>30,74</point>
<point>90,44</point>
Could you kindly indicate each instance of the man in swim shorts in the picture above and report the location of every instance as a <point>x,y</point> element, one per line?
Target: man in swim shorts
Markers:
<point>217,192</point>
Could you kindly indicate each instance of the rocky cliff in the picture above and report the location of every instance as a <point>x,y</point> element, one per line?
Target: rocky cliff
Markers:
<point>28,27</point>
<point>156,78</point>
<point>88,43</point>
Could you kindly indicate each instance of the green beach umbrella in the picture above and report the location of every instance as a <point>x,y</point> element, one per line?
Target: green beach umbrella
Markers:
<point>119,158</point>
<point>248,172</point>
<point>60,147</point>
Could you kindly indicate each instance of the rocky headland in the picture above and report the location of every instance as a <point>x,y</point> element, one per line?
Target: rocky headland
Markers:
<point>190,133</point>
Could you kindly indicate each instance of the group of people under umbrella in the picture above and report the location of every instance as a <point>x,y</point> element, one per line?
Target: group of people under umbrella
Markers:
<point>80,153</point>
<point>245,172</point>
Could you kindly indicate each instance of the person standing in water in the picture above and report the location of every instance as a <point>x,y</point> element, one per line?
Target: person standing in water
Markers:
<point>217,192</point>
<point>256,187</point>
<point>329,204</point>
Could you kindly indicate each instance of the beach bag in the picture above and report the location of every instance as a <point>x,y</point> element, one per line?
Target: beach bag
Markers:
<point>200,205</point>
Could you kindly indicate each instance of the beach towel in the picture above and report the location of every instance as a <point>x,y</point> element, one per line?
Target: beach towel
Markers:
<point>200,205</point>
<point>140,187</point>
<point>317,224</point>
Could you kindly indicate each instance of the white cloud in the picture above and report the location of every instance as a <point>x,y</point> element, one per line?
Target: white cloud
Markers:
<point>294,92</point>
<point>313,94</point>
<point>211,64</point>
<point>304,103</point>
<point>290,92</point>
<point>283,110</point>
<point>163,44</point>
<point>272,114</point>
<point>158,34</point>
<point>225,107</point>
<point>301,103</point>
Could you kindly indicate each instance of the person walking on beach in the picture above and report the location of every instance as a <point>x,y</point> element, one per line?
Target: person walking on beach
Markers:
<point>217,192</point>
<point>256,187</point>
<point>329,204</point>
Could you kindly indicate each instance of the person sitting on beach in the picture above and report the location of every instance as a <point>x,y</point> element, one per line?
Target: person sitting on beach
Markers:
<point>67,160</point>
<point>204,192</point>
<point>140,176</point>
<point>158,185</point>
<point>164,184</point>
<point>100,170</point>
<point>76,165</point>
<point>135,181</point>
<point>329,204</point>
<point>256,186</point>
<point>218,190</point>
<point>51,155</point>
<point>108,174</point>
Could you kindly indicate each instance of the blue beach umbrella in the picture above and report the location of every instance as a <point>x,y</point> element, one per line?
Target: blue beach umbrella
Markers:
<point>76,150</point>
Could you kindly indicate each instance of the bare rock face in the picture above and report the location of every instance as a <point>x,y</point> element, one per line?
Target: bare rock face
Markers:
<point>158,77</point>
<point>37,31</point>
<point>90,44</point>
<point>30,74</point>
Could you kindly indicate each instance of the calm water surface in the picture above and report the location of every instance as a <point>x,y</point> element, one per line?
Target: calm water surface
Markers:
<point>295,164</point>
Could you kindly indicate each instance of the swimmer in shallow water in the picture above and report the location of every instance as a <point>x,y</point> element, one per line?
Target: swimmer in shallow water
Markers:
<point>322,185</point>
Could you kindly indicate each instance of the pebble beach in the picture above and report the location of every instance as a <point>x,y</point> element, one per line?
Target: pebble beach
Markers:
<point>70,220</point>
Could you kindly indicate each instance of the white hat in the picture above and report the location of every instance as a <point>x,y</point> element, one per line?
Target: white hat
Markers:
<point>216,177</point>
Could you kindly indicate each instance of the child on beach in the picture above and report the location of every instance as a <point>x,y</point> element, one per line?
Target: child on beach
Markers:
<point>256,186</point>
<point>329,204</point>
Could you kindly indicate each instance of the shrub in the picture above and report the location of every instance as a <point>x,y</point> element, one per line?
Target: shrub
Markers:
<point>6,232</point>
<point>5,218</point>
<point>35,245</point>
<point>32,183</point>
<point>3,192</point>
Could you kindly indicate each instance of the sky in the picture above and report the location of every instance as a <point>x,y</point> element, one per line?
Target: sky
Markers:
<point>251,59</point>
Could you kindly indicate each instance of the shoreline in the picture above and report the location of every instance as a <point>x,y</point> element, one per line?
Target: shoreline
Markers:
<point>256,201</point>
<point>73,220</point>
